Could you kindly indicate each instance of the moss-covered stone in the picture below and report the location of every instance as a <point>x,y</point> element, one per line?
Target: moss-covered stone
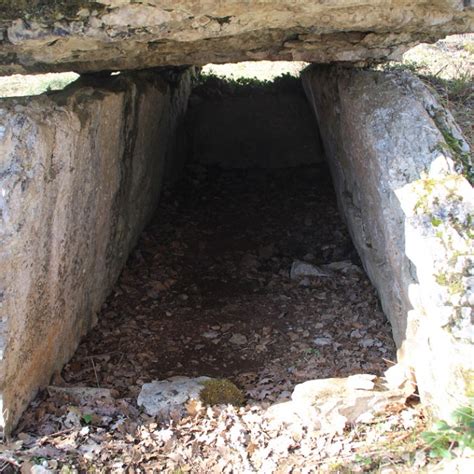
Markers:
<point>221,391</point>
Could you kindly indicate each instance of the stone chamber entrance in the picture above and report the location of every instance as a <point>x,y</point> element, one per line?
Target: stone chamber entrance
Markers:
<point>217,285</point>
<point>235,230</point>
<point>306,242</point>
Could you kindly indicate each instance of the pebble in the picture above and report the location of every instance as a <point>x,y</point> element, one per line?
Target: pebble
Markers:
<point>238,339</point>
<point>302,269</point>
<point>367,342</point>
<point>323,341</point>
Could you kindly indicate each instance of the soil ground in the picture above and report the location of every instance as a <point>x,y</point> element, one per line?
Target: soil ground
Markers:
<point>208,290</point>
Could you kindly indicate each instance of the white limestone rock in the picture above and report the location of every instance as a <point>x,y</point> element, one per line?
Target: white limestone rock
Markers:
<point>396,158</point>
<point>328,405</point>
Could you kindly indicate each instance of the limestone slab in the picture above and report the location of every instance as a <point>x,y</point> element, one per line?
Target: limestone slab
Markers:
<point>401,189</point>
<point>80,176</point>
<point>88,36</point>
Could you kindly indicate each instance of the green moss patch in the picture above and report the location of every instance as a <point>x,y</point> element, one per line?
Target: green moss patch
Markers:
<point>221,392</point>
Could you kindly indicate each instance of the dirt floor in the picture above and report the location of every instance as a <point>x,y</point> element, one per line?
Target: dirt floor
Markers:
<point>208,292</point>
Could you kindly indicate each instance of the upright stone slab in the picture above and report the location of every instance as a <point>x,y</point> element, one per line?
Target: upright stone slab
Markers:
<point>395,155</point>
<point>80,175</point>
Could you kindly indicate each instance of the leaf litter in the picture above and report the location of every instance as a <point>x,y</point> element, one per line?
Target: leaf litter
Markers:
<point>207,292</point>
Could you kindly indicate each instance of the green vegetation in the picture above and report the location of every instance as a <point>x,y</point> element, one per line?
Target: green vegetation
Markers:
<point>247,85</point>
<point>454,146</point>
<point>398,66</point>
<point>445,437</point>
<point>87,419</point>
<point>221,392</point>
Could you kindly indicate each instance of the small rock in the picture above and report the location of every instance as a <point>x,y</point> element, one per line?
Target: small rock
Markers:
<point>301,269</point>
<point>210,334</point>
<point>367,342</point>
<point>238,339</point>
<point>323,341</point>
<point>84,431</point>
<point>38,469</point>
<point>166,397</point>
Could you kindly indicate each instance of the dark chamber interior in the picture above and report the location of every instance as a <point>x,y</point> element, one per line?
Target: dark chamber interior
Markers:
<point>207,290</point>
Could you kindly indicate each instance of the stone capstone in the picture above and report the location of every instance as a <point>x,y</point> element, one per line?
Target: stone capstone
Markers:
<point>87,36</point>
<point>401,189</point>
<point>80,176</point>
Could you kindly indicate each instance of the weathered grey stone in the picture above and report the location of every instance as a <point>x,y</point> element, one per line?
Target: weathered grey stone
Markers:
<point>87,36</point>
<point>80,175</point>
<point>301,269</point>
<point>409,212</point>
<point>169,397</point>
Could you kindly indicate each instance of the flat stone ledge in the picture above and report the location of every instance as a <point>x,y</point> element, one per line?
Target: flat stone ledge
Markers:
<point>87,36</point>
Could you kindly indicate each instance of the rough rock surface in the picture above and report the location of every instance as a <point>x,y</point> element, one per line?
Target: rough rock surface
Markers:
<point>80,175</point>
<point>395,153</point>
<point>165,398</point>
<point>88,36</point>
<point>328,405</point>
